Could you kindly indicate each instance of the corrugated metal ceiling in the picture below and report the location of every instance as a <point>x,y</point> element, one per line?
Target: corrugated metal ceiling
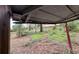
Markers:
<point>46,14</point>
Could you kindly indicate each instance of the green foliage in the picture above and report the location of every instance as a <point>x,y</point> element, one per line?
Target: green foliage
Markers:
<point>74,26</point>
<point>57,34</point>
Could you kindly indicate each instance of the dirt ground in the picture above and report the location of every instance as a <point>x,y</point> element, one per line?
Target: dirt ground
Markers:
<point>24,45</point>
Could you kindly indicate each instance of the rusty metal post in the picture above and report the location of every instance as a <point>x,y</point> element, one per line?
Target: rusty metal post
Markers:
<point>68,37</point>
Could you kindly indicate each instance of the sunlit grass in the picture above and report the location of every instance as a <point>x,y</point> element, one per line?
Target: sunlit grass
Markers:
<point>58,35</point>
<point>37,36</point>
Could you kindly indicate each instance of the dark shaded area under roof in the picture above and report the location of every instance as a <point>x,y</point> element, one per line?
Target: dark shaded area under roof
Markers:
<point>46,14</point>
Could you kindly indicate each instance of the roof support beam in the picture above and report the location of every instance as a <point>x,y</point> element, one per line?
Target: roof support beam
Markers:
<point>28,17</point>
<point>70,9</point>
<point>75,17</point>
<point>38,22</point>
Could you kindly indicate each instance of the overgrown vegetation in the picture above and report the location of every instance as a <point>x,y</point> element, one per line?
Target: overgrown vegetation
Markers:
<point>74,26</point>
<point>54,33</point>
<point>57,34</point>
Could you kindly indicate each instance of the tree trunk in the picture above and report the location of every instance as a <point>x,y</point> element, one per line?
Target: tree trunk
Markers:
<point>35,27</point>
<point>41,28</point>
<point>29,27</point>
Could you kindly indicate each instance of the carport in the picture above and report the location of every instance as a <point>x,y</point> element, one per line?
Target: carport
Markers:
<point>35,14</point>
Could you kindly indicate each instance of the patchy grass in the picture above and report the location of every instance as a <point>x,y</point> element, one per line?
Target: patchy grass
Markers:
<point>57,35</point>
<point>37,36</point>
